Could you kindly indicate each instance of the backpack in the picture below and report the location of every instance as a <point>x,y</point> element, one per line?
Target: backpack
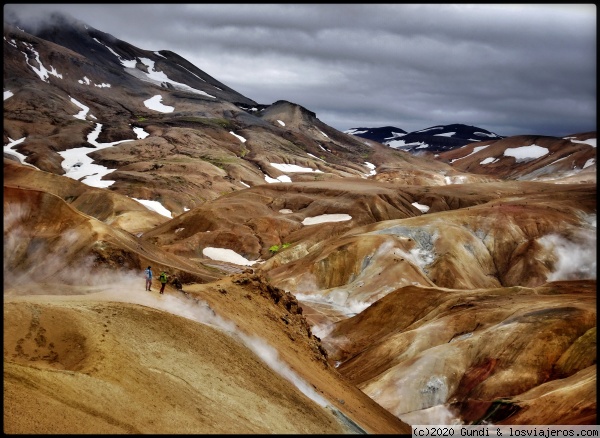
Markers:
<point>163,277</point>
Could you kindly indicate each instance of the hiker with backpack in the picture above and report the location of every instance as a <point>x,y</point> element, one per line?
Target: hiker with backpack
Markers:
<point>175,282</point>
<point>163,278</point>
<point>148,272</point>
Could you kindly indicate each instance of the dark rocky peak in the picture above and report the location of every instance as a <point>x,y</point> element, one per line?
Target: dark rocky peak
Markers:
<point>115,60</point>
<point>381,135</point>
<point>459,131</point>
<point>430,140</point>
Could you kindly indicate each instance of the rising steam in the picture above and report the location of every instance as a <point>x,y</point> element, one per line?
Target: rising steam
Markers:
<point>576,257</point>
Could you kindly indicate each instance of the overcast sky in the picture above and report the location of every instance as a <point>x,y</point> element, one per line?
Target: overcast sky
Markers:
<point>511,69</point>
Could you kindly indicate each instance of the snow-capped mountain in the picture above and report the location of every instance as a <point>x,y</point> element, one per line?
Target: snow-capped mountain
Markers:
<point>384,134</point>
<point>428,141</point>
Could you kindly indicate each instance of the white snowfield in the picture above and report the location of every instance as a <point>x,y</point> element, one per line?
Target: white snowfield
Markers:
<point>326,218</point>
<point>226,255</point>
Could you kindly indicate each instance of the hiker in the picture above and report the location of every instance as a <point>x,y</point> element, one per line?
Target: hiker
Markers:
<point>163,278</point>
<point>175,282</point>
<point>148,272</point>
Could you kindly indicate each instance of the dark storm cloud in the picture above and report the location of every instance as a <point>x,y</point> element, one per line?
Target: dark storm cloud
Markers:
<point>511,69</point>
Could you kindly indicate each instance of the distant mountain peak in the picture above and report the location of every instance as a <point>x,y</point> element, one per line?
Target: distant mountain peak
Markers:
<point>434,139</point>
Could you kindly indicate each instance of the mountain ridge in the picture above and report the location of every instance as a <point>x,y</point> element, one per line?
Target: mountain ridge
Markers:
<point>432,140</point>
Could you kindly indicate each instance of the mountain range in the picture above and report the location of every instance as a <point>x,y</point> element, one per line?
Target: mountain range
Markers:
<point>320,281</point>
<point>426,141</point>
